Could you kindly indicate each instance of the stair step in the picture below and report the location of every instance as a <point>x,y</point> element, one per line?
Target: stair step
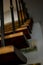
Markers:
<point>10,55</point>
<point>18,40</point>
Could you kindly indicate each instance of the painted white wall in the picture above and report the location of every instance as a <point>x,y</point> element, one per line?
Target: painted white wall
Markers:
<point>37,36</point>
<point>7,12</point>
<point>6,4</point>
<point>7,17</point>
<point>35,9</point>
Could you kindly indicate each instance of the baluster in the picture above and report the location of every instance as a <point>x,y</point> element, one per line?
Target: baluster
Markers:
<point>25,9</point>
<point>12,15</point>
<point>18,12</point>
<point>2,24</point>
<point>21,12</point>
<point>28,22</point>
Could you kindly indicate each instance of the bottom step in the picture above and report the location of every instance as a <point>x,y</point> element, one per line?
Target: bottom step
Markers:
<point>10,55</point>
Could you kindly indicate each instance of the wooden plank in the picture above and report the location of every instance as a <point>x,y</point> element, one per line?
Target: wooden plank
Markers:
<point>8,26</point>
<point>21,29</point>
<point>25,31</point>
<point>18,40</point>
<point>10,55</point>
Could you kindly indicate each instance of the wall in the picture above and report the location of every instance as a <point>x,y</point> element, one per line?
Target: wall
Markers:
<point>35,9</point>
<point>37,37</point>
<point>7,17</point>
<point>7,12</point>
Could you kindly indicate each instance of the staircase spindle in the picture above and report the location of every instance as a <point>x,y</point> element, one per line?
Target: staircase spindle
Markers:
<point>24,10</point>
<point>21,12</point>
<point>2,24</point>
<point>18,13</point>
<point>12,15</point>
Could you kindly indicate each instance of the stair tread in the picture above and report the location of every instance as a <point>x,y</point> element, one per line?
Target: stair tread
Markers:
<point>10,54</point>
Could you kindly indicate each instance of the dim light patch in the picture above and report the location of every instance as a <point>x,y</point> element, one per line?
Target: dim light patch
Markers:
<point>32,47</point>
<point>26,50</point>
<point>35,64</point>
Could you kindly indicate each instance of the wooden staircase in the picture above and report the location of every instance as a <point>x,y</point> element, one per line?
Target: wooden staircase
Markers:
<point>14,37</point>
